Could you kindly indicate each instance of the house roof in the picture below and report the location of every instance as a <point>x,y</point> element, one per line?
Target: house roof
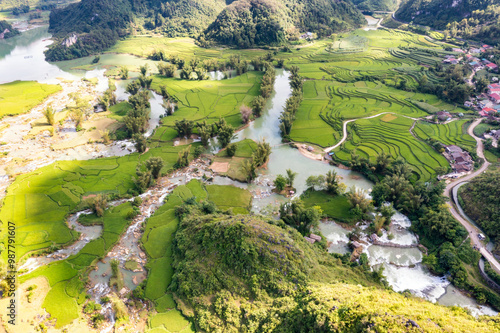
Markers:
<point>495,96</point>
<point>488,110</point>
<point>491,65</point>
<point>494,86</point>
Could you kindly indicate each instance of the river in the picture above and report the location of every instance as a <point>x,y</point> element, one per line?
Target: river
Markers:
<point>21,58</point>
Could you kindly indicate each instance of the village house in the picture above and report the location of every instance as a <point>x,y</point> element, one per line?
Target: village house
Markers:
<point>495,98</point>
<point>443,116</point>
<point>468,104</point>
<point>459,159</point>
<point>492,67</point>
<point>494,88</point>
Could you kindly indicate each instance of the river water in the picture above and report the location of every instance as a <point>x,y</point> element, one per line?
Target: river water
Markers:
<point>21,58</point>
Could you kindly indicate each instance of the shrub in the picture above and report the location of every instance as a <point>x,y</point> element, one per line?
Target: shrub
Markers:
<point>231,150</point>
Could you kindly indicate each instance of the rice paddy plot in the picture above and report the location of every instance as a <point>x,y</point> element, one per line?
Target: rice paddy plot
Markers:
<point>370,137</point>
<point>21,96</point>
<point>452,133</point>
<point>207,100</point>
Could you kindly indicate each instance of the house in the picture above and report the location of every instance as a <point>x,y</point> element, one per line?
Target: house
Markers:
<point>495,98</point>
<point>307,35</point>
<point>476,51</point>
<point>460,160</point>
<point>485,61</point>
<point>483,114</point>
<point>492,67</point>
<point>494,88</point>
<point>458,50</point>
<point>468,104</point>
<point>475,64</point>
<point>488,110</point>
<point>443,116</point>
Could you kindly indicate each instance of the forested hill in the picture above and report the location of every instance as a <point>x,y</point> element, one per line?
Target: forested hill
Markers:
<point>248,23</point>
<point>375,5</point>
<point>253,274</point>
<point>481,202</point>
<point>477,19</point>
<point>97,24</point>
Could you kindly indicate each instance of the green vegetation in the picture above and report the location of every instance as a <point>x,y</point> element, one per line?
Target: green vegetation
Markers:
<point>4,25</point>
<point>481,202</point>
<point>390,133</point>
<point>336,207</point>
<point>244,151</point>
<point>235,272</point>
<point>158,238</point>
<point>376,5</point>
<point>198,101</point>
<point>453,133</point>
<point>476,19</point>
<point>21,96</point>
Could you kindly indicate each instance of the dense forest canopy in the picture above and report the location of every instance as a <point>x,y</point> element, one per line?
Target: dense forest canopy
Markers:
<point>4,25</point>
<point>375,5</point>
<point>97,24</point>
<point>253,274</point>
<point>476,19</point>
<point>481,202</point>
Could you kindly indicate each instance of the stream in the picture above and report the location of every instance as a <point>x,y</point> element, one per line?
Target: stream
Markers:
<point>402,266</point>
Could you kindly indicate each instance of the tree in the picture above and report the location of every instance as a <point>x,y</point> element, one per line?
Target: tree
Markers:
<point>290,177</point>
<point>140,142</point>
<point>481,85</point>
<point>296,215</point>
<point>382,162</point>
<point>249,169</point>
<point>137,120</point>
<point>333,184</point>
<point>98,204</point>
<point>77,116</point>
<point>316,182</point>
<point>133,87</point>
<point>144,69</point>
<point>49,114</point>
<point>205,135</point>
<point>280,183</point>
<point>225,135</point>
<point>258,105</point>
<point>184,127</point>
<point>143,179</point>
<point>358,199</point>
<point>231,149</point>
<point>154,164</point>
<point>246,112</point>
<point>261,155</point>
<point>123,72</point>
<point>183,158</point>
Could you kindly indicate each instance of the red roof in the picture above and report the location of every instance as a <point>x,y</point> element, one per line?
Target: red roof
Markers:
<point>488,110</point>
<point>495,96</point>
<point>483,114</point>
<point>494,86</point>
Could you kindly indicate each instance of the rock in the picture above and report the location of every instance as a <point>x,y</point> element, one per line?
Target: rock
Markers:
<point>412,323</point>
<point>134,280</point>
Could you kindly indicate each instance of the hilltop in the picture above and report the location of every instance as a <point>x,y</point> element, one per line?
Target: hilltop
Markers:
<point>476,19</point>
<point>91,26</point>
<point>247,23</point>
<point>235,272</point>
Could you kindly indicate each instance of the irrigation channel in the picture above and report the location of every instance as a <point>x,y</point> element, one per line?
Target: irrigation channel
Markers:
<point>402,266</point>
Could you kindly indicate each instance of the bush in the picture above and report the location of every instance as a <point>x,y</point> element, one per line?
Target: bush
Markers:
<point>231,150</point>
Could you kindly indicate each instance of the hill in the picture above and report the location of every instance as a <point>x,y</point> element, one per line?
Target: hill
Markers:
<point>248,23</point>
<point>481,202</point>
<point>91,26</point>
<point>375,5</point>
<point>475,19</point>
<point>253,274</point>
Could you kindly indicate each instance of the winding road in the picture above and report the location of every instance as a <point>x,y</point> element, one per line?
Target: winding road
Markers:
<point>472,229</point>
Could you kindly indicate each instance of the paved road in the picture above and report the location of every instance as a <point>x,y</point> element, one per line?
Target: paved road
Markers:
<point>471,229</point>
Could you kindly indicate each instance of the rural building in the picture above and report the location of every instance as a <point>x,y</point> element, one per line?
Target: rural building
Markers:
<point>443,116</point>
<point>468,104</point>
<point>494,88</point>
<point>459,159</point>
<point>492,67</point>
<point>495,98</point>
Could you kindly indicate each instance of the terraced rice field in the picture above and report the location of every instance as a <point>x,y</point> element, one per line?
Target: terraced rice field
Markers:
<point>453,133</point>
<point>207,100</point>
<point>391,134</point>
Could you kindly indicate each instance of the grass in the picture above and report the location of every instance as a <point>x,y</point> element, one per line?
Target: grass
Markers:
<point>244,151</point>
<point>119,110</point>
<point>157,241</point>
<point>374,136</point>
<point>206,100</point>
<point>334,207</point>
<point>482,128</point>
<point>21,96</point>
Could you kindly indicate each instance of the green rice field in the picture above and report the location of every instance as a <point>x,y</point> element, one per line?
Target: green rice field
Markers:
<point>21,96</point>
